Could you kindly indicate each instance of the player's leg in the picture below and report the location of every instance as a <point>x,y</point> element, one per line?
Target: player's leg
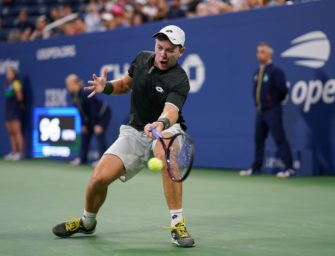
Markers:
<point>122,160</point>
<point>275,123</point>
<point>173,192</point>
<point>109,168</point>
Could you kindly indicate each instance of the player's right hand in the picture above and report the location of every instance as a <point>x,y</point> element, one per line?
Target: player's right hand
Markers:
<point>148,128</point>
<point>97,84</point>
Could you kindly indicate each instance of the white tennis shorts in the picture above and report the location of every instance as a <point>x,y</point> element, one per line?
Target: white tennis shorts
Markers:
<point>134,148</point>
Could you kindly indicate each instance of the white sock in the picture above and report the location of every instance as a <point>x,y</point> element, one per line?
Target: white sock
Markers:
<point>176,216</point>
<point>88,219</point>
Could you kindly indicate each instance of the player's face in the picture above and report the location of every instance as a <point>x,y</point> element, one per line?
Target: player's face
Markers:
<point>263,54</point>
<point>166,54</point>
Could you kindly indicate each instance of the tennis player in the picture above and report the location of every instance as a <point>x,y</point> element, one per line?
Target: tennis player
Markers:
<point>159,89</point>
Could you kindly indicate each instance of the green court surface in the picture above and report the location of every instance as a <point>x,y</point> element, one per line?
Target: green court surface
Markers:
<point>226,214</point>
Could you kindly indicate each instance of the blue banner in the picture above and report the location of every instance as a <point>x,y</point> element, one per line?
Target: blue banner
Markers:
<point>219,59</point>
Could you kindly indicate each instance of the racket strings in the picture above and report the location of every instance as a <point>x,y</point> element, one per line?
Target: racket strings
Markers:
<point>181,157</point>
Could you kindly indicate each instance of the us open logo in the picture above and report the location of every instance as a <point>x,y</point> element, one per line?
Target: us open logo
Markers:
<point>312,50</point>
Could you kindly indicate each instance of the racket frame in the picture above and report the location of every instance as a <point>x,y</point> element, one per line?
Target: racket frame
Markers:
<point>167,151</point>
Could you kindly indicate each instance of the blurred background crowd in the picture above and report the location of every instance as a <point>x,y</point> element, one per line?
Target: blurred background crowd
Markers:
<point>26,20</point>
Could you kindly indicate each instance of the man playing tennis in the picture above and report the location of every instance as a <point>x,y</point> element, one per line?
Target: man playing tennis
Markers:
<point>159,89</point>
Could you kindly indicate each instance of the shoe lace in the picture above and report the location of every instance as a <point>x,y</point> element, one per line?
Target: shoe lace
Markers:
<point>73,224</point>
<point>180,228</point>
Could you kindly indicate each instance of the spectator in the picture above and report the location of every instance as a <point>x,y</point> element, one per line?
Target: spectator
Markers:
<point>41,23</point>
<point>65,10</point>
<point>240,5</point>
<point>108,21</point>
<point>13,109</point>
<point>14,35</point>
<point>55,14</point>
<point>95,116</point>
<point>79,25</point>
<point>217,7</point>
<point>175,10</point>
<point>74,27</point>
<point>106,5</point>
<point>155,10</point>
<point>276,2</point>
<point>92,18</point>
<point>162,8</point>
<point>25,35</point>
<point>190,6</point>
<point>128,14</point>
<point>201,10</point>
<point>269,91</point>
<point>254,4</point>
<point>118,14</point>
<point>137,19</point>
<point>150,10</point>
<point>22,22</point>
<point>68,29</point>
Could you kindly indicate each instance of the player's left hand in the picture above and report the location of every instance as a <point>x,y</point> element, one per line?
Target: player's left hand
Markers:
<point>147,129</point>
<point>97,84</point>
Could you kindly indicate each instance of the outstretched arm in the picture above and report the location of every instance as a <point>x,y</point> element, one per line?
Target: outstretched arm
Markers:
<point>119,86</point>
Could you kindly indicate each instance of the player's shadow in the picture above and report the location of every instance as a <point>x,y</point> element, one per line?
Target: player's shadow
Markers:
<point>78,237</point>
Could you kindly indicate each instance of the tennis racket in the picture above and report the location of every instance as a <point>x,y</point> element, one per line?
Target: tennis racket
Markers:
<point>179,154</point>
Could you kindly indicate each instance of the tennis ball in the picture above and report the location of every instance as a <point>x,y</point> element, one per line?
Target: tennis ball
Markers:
<point>155,164</point>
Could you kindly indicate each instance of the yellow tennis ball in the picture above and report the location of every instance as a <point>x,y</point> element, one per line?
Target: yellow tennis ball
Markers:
<point>155,164</point>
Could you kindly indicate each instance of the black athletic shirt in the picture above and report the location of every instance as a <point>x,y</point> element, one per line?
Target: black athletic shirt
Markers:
<point>152,88</point>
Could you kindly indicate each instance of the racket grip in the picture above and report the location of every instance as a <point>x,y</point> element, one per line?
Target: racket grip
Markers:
<point>156,133</point>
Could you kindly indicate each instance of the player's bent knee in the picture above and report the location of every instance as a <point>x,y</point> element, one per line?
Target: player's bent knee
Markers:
<point>97,182</point>
<point>105,173</point>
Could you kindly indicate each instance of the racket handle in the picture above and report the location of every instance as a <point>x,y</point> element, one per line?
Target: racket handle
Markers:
<point>156,133</point>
